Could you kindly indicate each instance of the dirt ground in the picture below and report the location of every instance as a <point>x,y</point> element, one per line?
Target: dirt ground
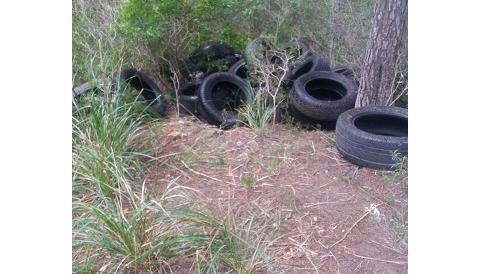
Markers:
<point>336,217</point>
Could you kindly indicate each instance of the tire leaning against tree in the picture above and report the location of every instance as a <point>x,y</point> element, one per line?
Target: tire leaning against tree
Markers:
<point>323,95</point>
<point>368,136</point>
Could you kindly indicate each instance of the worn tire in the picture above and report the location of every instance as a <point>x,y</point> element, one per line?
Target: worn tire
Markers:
<point>188,68</point>
<point>195,63</point>
<point>211,51</point>
<point>367,136</point>
<point>323,95</point>
<point>213,94</point>
<point>304,49</point>
<point>308,64</point>
<point>307,122</point>
<point>147,87</point>
<point>348,71</point>
<point>239,69</point>
<point>188,97</point>
<point>257,49</point>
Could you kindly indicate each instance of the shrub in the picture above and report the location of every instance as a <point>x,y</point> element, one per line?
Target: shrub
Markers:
<point>172,27</point>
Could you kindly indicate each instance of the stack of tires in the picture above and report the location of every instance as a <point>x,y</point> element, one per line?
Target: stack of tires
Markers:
<point>216,93</point>
<point>316,93</point>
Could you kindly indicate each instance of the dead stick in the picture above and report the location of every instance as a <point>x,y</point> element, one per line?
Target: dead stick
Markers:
<point>376,259</point>
<point>350,229</point>
<point>205,175</point>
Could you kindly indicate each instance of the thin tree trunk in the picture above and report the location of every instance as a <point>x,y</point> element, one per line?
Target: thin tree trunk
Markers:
<point>379,64</point>
<point>334,28</point>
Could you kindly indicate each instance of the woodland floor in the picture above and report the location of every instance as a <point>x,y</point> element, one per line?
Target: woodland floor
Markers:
<point>298,174</point>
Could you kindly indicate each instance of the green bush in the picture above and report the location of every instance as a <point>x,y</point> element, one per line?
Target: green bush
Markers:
<point>170,27</point>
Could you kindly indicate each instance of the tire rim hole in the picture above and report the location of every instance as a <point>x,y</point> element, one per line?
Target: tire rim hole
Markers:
<point>303,69</point>
<point>382,124</point>
<point>325,89</point>
<point>189,91</point>
<point>227,97</point>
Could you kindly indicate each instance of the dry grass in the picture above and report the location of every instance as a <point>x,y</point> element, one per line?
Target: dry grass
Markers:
<point>299,175</point>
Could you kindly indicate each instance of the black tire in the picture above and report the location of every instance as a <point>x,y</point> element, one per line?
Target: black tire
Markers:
<point>368,136</point>
<point>257,49</point>
<point>309,64</point>
<point>211,58</point>
<point>188,68</point>
<point>188,97</point>
<point>211,51</point>
<point>214,96</point>
<point>307,122</point>
<point>347,70</point>
<point>323,95</point>
<point>300,47</point>
<point>147,88</point>
<point>239,69</point>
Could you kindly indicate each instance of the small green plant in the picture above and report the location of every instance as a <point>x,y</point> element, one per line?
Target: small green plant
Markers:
<point>247,181</point>
<point>401,164</point>
<point>258,113</point>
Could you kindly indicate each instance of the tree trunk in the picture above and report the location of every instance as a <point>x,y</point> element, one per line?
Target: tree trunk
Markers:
<point>379,64</point>
<point>334,28</point>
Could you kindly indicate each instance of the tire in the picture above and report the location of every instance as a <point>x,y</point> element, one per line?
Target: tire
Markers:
<point>257,49</point>
<point>307,122</point>
<point>211,51</point>
<point>309,64</point>
<point>367,136</point>
<point>348,71</point>
<point>239,69</point>
<point>202,58</point>
<point>188,68</point>
<point>214,94</point>
<point>323,95</point>
<point>299,46</point>
<point>147,88</point>
<point>188,97</point>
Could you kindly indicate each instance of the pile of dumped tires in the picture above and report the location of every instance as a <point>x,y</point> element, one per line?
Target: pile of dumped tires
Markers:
<point>316,94</point>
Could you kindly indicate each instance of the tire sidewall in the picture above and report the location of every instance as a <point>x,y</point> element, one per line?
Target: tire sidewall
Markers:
<point>327,110</point>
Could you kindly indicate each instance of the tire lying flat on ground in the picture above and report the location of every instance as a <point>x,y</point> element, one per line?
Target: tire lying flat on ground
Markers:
<point>220,95</point>
<point>368,136</point>
<point>323,95</point>
<point>147,88</point>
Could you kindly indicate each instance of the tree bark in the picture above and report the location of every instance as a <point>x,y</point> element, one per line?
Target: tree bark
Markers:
<point>380,59</point>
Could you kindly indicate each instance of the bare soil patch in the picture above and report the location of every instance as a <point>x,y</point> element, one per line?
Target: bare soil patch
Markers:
<point>322,199</point>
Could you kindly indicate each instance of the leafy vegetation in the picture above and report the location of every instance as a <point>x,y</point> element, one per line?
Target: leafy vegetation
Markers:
<point>120,223</point>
